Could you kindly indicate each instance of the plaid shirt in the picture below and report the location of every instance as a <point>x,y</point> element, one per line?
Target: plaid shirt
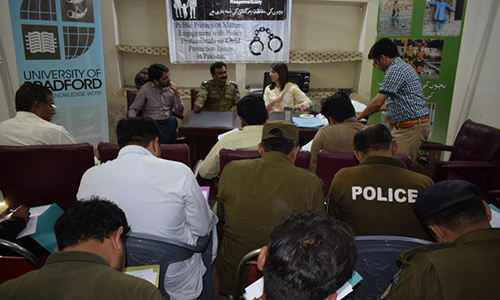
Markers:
<point>406,97</point>
<point>155,103</point>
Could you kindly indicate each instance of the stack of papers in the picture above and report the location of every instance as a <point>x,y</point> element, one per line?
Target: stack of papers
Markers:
<point>307,123</point>
<point>256,289</point>
<point>495,216</point>
<point>149,273</point>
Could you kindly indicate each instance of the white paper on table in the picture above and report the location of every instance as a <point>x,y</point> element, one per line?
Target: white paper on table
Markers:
<point>33,221</point>
<point>307,147</point>
<point>220,136</point>
<point>358,106</point>
<point>495,216</point>
<point>344,290</point>
<point>148,274</point>
<point>256,289</point>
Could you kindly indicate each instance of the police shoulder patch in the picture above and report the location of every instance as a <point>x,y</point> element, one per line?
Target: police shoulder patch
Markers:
<point>233,83</point>
<point>205,82</point>
<point>398,278</point>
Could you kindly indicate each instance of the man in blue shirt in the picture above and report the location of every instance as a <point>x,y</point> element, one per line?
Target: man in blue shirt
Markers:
<point>401,94</point>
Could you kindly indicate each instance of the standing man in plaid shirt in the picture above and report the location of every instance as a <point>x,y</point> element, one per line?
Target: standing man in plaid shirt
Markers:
<point>403,96</point>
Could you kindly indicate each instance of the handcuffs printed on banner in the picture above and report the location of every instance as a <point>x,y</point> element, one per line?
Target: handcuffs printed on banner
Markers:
<point>256,39</point>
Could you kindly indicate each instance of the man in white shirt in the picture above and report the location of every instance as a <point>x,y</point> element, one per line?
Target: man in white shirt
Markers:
<point>159,197</point>
<point>253,114</point>
<point>31,125</point>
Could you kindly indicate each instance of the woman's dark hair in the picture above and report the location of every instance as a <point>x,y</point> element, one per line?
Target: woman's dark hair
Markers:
<point>282,71</point>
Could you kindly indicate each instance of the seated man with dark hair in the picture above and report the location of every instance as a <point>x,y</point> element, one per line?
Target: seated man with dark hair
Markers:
<point>217,94</point>
<point>91,255</point>
<point>377,197</point>
<point>253,114</point>
<point>342,126</point>
<point>464,264</point>
<point>160,197</point>
<point>309,257</point>
<point>158,99</point>
<point>256,194</point>
<point>31,125</point>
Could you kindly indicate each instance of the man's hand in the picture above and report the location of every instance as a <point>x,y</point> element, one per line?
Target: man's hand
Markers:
<point>22,212</point>
<point>174,88</point>
<point>302,107</point>
<point>197,107</point>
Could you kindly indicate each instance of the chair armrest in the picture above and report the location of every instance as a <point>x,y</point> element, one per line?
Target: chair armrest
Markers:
<point>178,115</point>
<point>435,146</point>
<point>201,243</point>
<point>467,164</point>
<point>196,168</point>
<point>22,251</point>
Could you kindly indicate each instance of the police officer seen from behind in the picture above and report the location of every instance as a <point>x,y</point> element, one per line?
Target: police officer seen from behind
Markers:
<point>378,196</point>
<point>464,264</point>
<point>217,94</point>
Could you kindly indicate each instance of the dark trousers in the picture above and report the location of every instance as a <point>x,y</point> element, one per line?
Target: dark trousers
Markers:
<point>168,129</point>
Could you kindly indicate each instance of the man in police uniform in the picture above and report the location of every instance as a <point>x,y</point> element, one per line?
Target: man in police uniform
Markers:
<point>378,196</point>
<point>257,194</point>
<point>217,94</point>
<point>464,264</point>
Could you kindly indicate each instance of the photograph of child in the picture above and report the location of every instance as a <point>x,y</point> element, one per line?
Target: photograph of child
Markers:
<point>443,17</point>
<point>395,17</point>
<point>424,55</point>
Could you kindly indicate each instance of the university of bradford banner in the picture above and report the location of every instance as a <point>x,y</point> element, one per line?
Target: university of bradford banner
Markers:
<point>228,30</point>
<point>59,45</point>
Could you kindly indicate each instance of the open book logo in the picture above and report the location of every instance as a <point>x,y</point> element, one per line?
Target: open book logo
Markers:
<point>41,42</point>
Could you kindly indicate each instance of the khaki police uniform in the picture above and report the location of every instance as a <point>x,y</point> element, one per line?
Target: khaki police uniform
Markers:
<point>254,196</point>
<point>463,270</point>
<point>377,198</point>
<point>75,275</point>
<point>212,97</point>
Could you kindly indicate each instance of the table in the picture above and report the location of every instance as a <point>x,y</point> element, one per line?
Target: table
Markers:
<point>201,129</point>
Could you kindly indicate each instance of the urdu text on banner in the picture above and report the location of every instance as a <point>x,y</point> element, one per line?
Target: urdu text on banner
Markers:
<point>202,31</point>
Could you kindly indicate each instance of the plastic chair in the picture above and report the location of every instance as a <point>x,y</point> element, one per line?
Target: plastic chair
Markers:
<point>378,259</point>
<point>248,260</point>
<point>145,249</point>
<point>175,152</point>
<point>15,266</point>
<point>38,175</point>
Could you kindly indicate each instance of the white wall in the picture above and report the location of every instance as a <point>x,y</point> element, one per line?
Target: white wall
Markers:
<point>8,66</point>
<point>477,85</point>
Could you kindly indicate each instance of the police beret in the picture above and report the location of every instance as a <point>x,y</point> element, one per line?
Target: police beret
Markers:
<point>280,130</point>
<point>443,195</point>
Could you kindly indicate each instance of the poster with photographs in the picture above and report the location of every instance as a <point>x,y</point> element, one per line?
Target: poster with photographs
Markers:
<point>395,17</point>
<point>228,30</point>
<point>443,17</point>
<point>424,55</point>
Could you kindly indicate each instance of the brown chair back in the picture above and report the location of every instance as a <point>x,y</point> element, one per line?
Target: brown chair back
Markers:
<point>194,94</point>
<point>38,175</point>
<point>303,159</point>
<point>175,152</point>
<point>228,155</point>
<point>477,142</point>
<point>329,163</point>
<point>130,99</point>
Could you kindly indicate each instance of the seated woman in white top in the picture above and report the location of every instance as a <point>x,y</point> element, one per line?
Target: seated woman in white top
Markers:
<point>281,92</point>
